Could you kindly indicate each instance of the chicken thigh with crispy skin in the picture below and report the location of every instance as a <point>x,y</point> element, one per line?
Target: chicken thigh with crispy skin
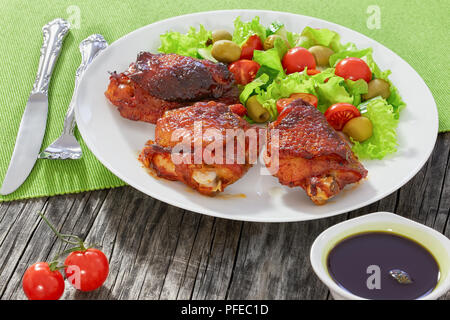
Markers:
<point>156,83</point>
<point>211,126</point>
<point>310,153</point>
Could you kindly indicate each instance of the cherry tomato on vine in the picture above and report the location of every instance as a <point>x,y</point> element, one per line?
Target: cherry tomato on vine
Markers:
<point>253,43</point>
<point>340,113</point>
<point>41,283</point>
<point>353,69</point>
<point>244,70</point>
<point>282,103</point>
<point>297,59</point>
<point>238,109</point>
<point>87,269</point>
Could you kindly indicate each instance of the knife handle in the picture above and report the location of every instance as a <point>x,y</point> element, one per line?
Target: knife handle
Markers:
<point>54,33</point>
<point>89,49</point>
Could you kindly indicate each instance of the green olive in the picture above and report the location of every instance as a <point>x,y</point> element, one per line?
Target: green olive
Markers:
<point>226,51</point>
<point>221,35</point>
<point>270,41</point>
<point>256,111</point>
<point>377,87</point>
<point>359,128</point>
<point>321,54</point>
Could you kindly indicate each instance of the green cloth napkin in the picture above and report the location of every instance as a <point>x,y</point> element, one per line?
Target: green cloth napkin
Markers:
<point>415,30</point>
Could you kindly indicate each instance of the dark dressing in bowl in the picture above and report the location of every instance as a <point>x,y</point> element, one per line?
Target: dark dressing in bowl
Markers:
<point>383,265</point>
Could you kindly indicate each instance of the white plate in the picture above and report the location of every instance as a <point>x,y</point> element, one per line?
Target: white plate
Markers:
<point>116,141</point>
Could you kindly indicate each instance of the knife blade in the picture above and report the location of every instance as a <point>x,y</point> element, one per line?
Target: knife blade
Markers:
<point>34,119</point>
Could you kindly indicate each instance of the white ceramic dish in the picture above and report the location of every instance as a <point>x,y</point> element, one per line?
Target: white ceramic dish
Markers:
<point>435,242</point>
<point>116,141</point>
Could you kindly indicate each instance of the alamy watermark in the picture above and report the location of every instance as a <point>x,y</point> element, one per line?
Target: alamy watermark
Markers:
<point>74,17</point>
<point>230,146</point>
<point>374,18</point>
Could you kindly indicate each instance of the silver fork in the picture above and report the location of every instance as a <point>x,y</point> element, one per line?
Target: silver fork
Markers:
<point>67,146</point>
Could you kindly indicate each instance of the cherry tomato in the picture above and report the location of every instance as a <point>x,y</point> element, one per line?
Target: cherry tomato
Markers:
<point>238,109</point>
<point>41,283</point>
<point>353,69</point>
<point>87,270</point>
<point>340,113</point>
<point>244,70</point>
<point>282,103</point>
<point>311,72</point>
<point>297,59</point>
<point>253,43</point>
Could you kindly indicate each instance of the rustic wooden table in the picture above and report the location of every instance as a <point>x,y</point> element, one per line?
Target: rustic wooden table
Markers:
<point>158,251</point>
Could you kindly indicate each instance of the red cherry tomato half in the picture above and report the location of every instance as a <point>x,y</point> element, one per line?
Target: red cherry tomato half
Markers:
<point>312,99</point>
<point>253,43</point>
<point>238,109</point>
<point>40,283</point>
<point>244,70</point>
<point>282,103</point>
<point>297,59</point>
<point>353,69</point>
<point>340,113</point>
<point>87,270</point>
<point>311,72</point>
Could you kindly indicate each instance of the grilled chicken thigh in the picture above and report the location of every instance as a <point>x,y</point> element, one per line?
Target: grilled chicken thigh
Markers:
<point>310,153</point>
<point>156,83</point>
<point>210,126</point>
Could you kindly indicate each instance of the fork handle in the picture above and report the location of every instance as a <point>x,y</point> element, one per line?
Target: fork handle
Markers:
<point>89,49</point>
<point>53,33</point>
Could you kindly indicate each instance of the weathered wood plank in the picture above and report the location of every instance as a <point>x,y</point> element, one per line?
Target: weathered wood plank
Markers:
<point>273,261</point>
<point>17,228</point>
<point>216,262</point>
<point>420,198</point>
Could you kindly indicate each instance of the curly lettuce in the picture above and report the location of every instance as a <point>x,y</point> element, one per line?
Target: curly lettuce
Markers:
<point>243,30</point>
<point>278,28</point>
<point>324,37</point>
<point>384,137</point>
<point>283,88</point>
<point>272,58</point>
<point>185,44</point>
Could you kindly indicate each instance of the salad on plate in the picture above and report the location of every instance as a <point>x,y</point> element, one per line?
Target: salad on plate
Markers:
<point>274,66</point>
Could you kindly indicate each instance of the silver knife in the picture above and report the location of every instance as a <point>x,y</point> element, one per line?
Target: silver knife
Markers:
<point>34,119</point>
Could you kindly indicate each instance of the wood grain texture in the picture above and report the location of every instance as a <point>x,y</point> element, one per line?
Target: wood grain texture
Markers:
<point>157,251</point>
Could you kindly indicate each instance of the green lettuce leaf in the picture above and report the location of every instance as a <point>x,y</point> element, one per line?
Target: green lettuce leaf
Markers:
<point>272,73</point>
<point>331,92</point>
<point>335,58</point>
<point>292,38</point>
<point>250,88</point>
<point>384,137</point>
<point>269,58</point>
<point>272,58</point>
<point>283,88</point>
<point>278,28</point>
<point>324,37</point>
<point>356,89</point>
<point>185,44</point>
<point>274,27</point>
<point>243,30</point>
